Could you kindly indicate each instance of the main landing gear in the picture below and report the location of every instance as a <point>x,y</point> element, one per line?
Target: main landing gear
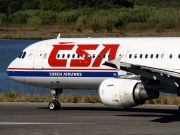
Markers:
<point>55,105</point>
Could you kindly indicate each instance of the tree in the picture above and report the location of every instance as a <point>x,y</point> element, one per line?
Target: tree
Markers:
<point>3,6</point>
<point>29,4</point>
<point>51,5</point>
<point>14,6</point>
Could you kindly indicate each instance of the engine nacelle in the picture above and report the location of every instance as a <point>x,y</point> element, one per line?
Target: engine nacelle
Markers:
<point>124,93</point>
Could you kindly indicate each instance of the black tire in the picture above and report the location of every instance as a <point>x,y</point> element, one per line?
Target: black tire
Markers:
<point>52,106</point>
<point>58,105</point>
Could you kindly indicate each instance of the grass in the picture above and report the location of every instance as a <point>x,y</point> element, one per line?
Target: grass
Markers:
<point>165,100</point>
<point>16,97</point>
<point>75,98</point>
<point>45,33</point>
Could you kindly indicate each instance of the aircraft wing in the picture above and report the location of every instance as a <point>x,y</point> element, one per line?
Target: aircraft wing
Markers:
<point>168,77</point>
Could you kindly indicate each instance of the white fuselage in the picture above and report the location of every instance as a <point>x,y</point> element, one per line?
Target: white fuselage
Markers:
<point>77,62</point>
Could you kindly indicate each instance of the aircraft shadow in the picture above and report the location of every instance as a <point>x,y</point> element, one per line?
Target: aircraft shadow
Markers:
<point>84,108</point>
<point>164,115</point>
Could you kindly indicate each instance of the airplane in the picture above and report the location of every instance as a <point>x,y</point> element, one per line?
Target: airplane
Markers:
<point>125,71</point>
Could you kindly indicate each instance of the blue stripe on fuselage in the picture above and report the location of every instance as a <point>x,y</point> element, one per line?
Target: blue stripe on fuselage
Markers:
<point>62,74</point>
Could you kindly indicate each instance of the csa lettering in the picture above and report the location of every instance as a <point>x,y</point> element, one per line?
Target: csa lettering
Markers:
<point>85,59</point>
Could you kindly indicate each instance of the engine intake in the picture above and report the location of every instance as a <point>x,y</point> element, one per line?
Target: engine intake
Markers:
<point>125,93</point>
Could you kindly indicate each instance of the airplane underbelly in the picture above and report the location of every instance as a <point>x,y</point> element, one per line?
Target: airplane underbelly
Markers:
<point>65,83</point>
<point>62,79</point>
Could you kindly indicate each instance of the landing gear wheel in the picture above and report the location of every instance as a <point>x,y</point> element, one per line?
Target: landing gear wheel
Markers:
<point>54,105</point>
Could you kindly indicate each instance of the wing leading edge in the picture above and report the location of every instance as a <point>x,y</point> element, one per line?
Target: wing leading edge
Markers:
<point>166,76</point>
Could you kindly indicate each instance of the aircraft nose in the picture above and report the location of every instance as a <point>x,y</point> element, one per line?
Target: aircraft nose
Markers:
<point>12,73</point>
<point>7,70</point>
<point>10,69</point>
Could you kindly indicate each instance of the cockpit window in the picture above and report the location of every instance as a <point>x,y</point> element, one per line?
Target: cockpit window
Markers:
<point>24,54</point>
<point>20,55</point>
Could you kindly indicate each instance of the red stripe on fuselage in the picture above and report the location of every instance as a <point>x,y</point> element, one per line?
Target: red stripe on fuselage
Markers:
<point>62,69</point>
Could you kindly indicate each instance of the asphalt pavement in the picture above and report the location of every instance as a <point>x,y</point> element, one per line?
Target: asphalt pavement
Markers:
<point>88,119</point>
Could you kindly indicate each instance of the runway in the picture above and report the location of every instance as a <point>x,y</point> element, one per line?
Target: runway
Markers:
<point>87,119</point>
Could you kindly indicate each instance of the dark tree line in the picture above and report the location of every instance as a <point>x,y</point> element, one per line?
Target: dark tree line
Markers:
<point>9,6</point>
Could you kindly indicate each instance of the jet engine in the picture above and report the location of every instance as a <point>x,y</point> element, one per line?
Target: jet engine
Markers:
<point>125,93</point>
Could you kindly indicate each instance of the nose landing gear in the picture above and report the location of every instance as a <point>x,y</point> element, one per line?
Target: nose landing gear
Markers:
<point>55,105</point>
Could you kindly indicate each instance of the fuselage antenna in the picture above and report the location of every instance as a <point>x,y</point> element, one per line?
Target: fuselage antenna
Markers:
<point>59,35</point>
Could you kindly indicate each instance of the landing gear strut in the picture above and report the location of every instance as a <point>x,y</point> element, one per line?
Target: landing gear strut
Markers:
<point>55,105</point>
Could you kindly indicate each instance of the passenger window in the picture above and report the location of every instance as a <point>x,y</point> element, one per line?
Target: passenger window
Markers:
<point>58,55</point>
<point>99,55</point>
<point>170,56</point>
<point>135,56</point>
<point>24,54</point>
<point>104,56</point>
<point>109,56</point>
<point>146,56</point>
<point>157,56</point>
<point>45,55</point>
<point>179,56</point>
<point>140,56</point>
<point>73,55</point>
<point>78,56</point>
<point>63,55</point>
<point>151,56</point>
<point>130,55</point>
<point>94,55</point>
<point>68,55</point>
<point>162,56</point>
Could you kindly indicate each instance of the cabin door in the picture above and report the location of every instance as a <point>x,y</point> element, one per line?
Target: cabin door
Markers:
<point>39,57</point>
<point>123,50</point>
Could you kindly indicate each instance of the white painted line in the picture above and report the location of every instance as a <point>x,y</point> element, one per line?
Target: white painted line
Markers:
<point>37,123</point>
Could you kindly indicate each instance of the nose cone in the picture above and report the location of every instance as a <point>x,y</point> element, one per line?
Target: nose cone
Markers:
<point>13,71</point>
<point>10,69</point>
<point>13,66</point>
